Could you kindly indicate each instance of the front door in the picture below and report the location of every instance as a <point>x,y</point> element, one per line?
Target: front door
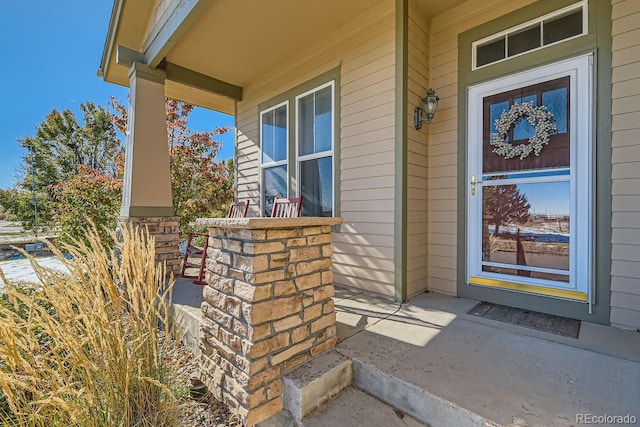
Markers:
<point>530,182</point>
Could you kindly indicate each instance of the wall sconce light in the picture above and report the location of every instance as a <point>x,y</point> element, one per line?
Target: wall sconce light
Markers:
<point>430,103</point>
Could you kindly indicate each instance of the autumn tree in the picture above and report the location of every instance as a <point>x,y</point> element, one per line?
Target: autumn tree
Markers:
<point>201,185</point>
<point>505,204</point>
<point>89,197</point>
<point>61,144</point>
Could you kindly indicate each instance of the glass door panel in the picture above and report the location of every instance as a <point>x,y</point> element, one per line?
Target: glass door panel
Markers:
<point>529,215</point>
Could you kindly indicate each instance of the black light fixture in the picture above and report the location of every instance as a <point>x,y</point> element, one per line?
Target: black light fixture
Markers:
<point>430,103</point>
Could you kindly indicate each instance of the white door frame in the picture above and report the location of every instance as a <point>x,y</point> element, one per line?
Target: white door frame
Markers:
<point>581,119</point>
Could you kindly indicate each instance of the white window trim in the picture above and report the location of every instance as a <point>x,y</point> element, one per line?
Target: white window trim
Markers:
<point>322,154</point>
<point>582,227</point>
<point>268,165</point>
<point>583,4</point>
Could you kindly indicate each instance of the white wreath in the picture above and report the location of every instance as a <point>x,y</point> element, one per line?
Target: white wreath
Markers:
<point>539,117</point>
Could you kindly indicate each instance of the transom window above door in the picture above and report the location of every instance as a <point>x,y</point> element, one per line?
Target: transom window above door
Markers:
<point>547,30</point>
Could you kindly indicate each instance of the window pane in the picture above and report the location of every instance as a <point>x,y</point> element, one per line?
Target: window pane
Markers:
<point>274,184</point>
<point>524,40</point>
<point>527,224</point>
<point>495,111</point>
<point>523,129</point>
<point>556,102</point>
<point>314,126</point>
<point>268,135</point>
<point>316,179</point>
<point>490,52</point>
<point>281,134</point>
<point>323,120</point>
<point>563,27</point>
<point>274,135</point>
<point>305,124</point>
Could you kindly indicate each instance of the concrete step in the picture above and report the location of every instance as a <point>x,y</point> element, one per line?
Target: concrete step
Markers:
<point>355,408</point>
<point>413,400</point>
<point>351,407</point>
<point>310,385</point>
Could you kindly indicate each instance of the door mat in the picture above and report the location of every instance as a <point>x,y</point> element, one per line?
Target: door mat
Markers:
<point>527,318</point>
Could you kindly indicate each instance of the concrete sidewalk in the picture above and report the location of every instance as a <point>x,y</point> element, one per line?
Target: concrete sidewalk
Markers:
<point>21,269</point>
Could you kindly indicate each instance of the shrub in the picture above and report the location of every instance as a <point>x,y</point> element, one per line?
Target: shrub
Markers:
<point>85,348</point>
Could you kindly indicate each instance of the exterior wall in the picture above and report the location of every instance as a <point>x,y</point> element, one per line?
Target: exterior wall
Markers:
<point>364,51</point>
<point>625,263</point>
<point>417,214</point>
<point>442,153</point>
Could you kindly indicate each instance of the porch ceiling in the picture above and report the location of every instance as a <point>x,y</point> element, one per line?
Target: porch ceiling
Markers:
<point>237,42</point>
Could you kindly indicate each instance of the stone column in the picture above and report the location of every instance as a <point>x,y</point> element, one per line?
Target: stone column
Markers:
<point>146,198</point>
<point>267,307</point>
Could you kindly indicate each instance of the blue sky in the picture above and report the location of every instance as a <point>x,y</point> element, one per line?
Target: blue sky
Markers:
<point>51,51</point>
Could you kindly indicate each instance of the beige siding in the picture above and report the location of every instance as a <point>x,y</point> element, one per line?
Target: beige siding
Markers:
<point>364,50</point>
<point>625,249</point>
<point>417,237</point>
<point>443,142</point>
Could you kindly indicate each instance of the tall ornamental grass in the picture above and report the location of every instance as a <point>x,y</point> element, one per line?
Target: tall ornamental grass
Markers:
<point>94,346</point>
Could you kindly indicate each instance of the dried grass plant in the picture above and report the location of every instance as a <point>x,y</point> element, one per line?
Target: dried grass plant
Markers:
<point>94,346</point>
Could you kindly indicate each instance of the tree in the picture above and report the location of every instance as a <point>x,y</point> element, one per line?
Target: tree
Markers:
<point>201,186</point>
<point>505,204</point>
<point>17,204</point>
<point>90,197</point>
<point>59,147</point>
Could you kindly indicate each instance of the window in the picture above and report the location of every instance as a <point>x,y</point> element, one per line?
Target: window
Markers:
<point>308,133</point>
<point>538,33</point>
<point>274,146</point>
<point>315,150</point>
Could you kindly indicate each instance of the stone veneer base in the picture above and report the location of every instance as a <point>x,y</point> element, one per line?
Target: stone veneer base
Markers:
<point>166,232</point>
<point>267,307</point>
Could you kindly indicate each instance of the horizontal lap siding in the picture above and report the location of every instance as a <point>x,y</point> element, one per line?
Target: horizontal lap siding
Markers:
<point>625,250</point>
<point>417,154</point>
<point>443,137</point>
<point>363,249</point>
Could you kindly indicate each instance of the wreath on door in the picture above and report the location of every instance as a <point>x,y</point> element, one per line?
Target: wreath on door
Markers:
<point>539,117</point>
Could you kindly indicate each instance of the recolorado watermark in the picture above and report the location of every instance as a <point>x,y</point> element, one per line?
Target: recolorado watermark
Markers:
<point>606,419</point>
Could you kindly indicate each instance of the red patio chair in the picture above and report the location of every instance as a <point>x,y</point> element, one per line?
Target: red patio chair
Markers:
<point>286,208</point>
<point>236,210</point>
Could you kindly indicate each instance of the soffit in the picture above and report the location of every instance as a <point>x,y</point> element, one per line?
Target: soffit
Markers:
<point>237,41</point>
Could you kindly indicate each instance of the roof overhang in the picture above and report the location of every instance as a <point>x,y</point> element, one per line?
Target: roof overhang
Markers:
<point>212,49</point>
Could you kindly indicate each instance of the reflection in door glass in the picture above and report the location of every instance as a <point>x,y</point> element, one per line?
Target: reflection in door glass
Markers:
<point>527,225</point>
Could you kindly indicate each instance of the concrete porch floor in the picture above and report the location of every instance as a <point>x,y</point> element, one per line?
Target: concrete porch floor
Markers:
<point>433,361</point>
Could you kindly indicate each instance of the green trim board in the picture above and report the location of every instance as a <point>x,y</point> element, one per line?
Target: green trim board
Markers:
<point>114,20</point>
<point>290,95</point>
<point>171,26</point>
<point>192,78</point>
<point>400,182</point>
<point>142,211</point>
<point>141,71</point>
<point>598,42</point>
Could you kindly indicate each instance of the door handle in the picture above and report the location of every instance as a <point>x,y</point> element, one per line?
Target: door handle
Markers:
<point>473,185</point>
